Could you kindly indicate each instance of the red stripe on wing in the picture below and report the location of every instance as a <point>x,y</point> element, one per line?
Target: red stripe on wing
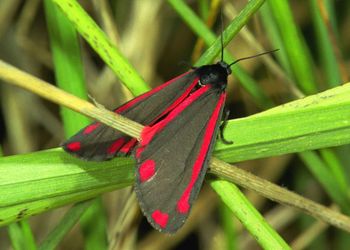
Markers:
<point>115,146</point>
<point>147,94</point>
<point>89,129</point>
<point>148,132</point>
<point>183,205</point>
<point>128,146</point>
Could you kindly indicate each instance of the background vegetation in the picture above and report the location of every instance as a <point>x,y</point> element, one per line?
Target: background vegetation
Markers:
<point>150,42</point>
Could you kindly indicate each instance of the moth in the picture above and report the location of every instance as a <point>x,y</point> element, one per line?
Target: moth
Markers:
<point>182,118</point>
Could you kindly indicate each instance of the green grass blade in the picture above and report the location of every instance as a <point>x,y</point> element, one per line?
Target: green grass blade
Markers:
<point>229,227</point>
<point>94,226</point>
<point>65,225</point>
<point>272,30</point>
<point>20,233</point>
<point>336,168</point>
<point>101,44</point>
<point>68,67</point>
<point>16,236</point>
<point>21,236</point>
<point>37,182</point>
<point>248,215</point>
<point>298,55</point>
<point>291,41</point>
<point>313,122</point>
<point>325,51</point>
<point>203,9</point>
<point>320,170</point>
<point>28,235</point>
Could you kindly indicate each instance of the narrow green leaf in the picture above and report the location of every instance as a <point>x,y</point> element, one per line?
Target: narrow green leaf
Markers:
<point>16,236</point>
<point>65,225</point>
<point>313,122</point>
<point>20,233</point>
<point>94,226</point>
<point>294,44</point>
<point>271,29</point>
<point>21,236</point>
<point>336,168</point>
<point>101,44</point>
<point>321,172</point>
<point>248,215</point>
<point>204,9</point>
<point>68,67</point>
<point>228,224</point>
<point>303,124</point>
<point>325,50</point>
<point>37,182</point>
<point>28,235</point>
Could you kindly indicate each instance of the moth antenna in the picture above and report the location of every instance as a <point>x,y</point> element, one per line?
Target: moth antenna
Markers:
<point>249,57</point>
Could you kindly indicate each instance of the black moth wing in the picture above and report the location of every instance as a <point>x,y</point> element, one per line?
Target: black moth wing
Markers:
<point>99,142</point>
<point>173,158</point>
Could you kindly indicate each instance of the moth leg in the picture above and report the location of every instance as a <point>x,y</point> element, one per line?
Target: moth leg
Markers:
<point>222,127</point>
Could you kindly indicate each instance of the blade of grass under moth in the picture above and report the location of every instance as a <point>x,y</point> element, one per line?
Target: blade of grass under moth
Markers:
<point>248,215</point>
<point>70,180</point>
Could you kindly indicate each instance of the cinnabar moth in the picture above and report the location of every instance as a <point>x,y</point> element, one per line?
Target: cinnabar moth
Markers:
<point>182,118</point>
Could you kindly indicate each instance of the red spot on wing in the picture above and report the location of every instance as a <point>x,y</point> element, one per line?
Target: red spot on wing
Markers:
<point>183,205</point>
<point>147,170</point>
<point>73,146</point>
<point>91,128</point>
<point>128,146</point>
<point>116,145</point>
<point>160,218</point>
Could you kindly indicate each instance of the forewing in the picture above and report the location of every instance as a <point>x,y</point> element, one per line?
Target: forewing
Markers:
<point>173,158</point>
<point>99,142</point>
